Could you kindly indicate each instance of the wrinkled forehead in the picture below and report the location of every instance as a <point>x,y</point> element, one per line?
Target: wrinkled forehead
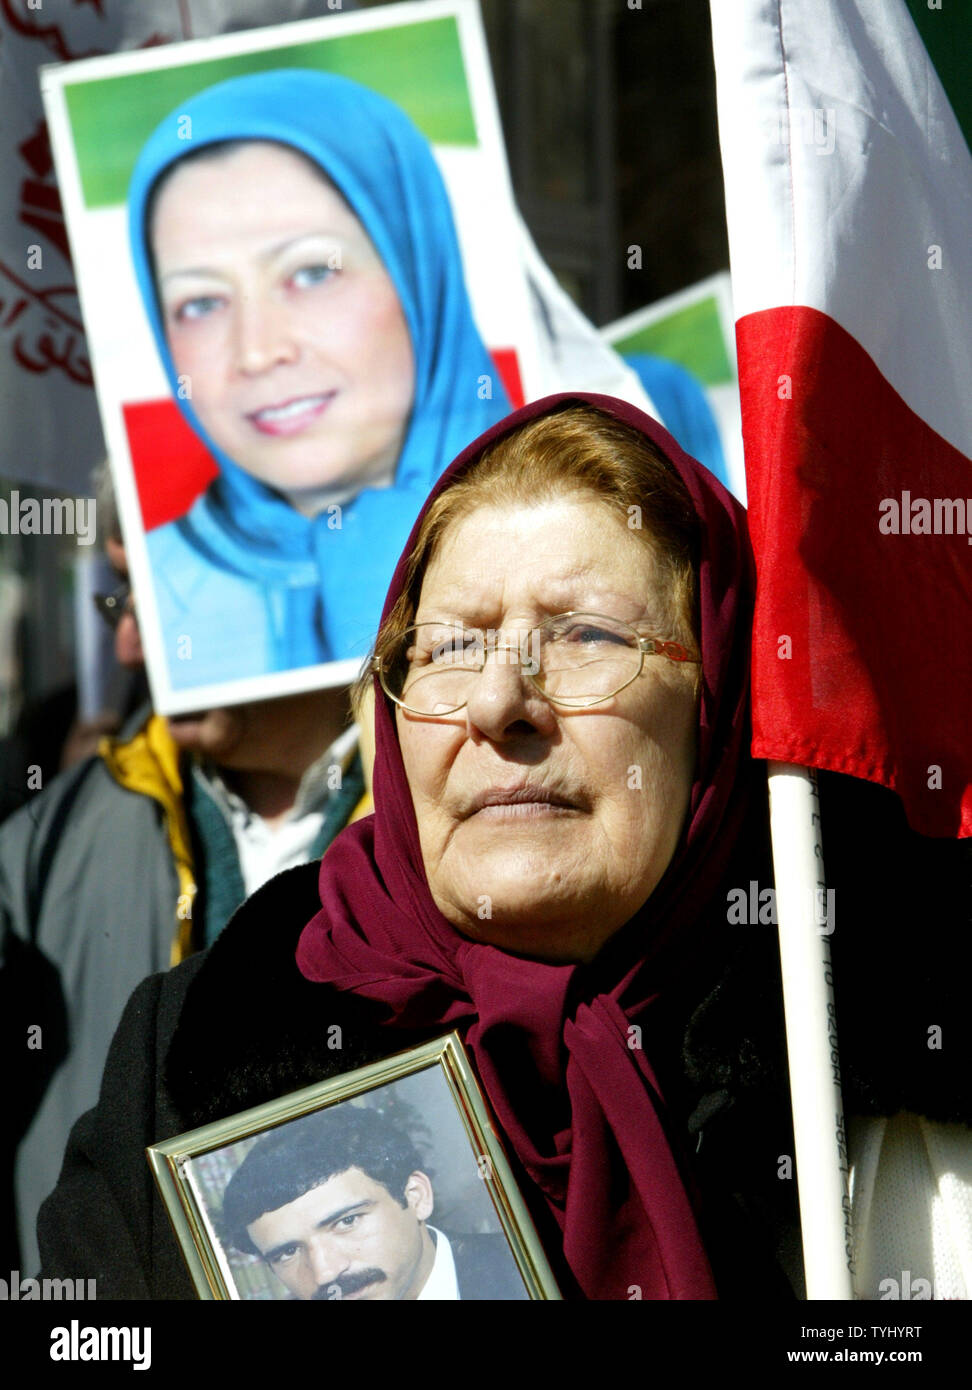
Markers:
<point>531,559</point>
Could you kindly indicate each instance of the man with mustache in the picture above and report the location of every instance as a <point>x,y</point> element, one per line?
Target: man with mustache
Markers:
<point>337,1205</point>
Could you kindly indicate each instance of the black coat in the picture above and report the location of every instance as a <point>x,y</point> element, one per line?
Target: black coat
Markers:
<point>484,1269</point>
<point>238,1025</point>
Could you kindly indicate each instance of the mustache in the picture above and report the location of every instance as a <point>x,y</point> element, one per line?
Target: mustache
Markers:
<point>349,1283</point>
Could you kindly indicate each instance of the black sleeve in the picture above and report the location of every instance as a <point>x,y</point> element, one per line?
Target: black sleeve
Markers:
<point>105,1220</point>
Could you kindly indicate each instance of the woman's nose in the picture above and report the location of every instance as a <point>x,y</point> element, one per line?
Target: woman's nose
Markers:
<point>264,337</point>
<point>503,703</point>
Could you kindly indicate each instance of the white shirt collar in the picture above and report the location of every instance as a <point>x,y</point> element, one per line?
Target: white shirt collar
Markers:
<point>442,1283</point>
<point>264,851</point>
<point>313,791</point>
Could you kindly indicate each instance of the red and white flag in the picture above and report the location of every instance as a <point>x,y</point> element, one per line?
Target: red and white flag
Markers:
<point>845,130</point>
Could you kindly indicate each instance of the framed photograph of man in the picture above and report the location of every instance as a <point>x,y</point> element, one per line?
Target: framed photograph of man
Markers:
<point>387,1183</point>
<point>299,267</point>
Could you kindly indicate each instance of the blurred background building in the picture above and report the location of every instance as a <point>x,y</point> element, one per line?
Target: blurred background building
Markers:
<point>610,124</point>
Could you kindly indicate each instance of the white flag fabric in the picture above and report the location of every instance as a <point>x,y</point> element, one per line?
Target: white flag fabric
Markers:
<point>845,131</point>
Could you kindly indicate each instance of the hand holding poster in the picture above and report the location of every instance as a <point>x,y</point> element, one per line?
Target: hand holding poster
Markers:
<point>298,285</point>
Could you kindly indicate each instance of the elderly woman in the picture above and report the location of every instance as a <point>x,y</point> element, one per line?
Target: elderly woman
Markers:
<point>294,246</point>
<point>562,791</point>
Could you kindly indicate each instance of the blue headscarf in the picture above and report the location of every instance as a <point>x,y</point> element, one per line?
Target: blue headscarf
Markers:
<point>684,407</point>
<point>386,171</point>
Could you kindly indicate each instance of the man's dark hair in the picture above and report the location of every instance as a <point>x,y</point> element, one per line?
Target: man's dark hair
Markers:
<point>303,1154</point>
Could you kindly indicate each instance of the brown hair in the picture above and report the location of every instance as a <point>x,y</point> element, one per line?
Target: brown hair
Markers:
<point>575,449</point>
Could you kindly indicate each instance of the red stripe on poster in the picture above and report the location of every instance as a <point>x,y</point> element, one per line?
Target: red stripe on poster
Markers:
<point>171,466</point>
<point>508,366</point>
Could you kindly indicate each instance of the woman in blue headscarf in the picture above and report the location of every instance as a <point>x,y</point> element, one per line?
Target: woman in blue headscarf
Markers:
<point>295,250</point>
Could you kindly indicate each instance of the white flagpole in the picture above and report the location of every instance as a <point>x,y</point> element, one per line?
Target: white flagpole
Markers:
<point>806,920</point>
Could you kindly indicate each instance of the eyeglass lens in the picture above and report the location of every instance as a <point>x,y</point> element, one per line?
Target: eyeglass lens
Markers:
<point>576,657</point>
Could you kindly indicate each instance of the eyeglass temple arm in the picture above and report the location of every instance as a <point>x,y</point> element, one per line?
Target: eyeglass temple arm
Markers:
<point>673,650</point>
<point>649,645</point>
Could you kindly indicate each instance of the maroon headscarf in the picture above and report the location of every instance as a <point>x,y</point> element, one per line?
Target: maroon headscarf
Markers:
<point>581,1108</point>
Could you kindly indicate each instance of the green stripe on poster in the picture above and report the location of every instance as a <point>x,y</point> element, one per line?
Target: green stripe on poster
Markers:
<point>691,336</point>
<point>419,66</point>
<point>947,35</point>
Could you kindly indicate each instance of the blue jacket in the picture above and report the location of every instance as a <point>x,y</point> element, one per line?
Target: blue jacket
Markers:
<point>256,586</point>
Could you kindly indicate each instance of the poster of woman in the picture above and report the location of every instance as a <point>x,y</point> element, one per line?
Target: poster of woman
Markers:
<point>299,275</point>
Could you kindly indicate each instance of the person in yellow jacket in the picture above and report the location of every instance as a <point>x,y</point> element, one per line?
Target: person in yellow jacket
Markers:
<point>129,862</point>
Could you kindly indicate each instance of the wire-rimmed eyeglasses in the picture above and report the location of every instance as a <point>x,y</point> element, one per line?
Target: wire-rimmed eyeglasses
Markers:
<point>573,659</point>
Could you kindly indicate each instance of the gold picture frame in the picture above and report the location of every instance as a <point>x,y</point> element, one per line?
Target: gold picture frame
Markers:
<point>303,1246</point>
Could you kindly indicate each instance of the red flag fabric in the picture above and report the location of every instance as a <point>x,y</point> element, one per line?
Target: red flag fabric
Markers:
<point>849,194</point>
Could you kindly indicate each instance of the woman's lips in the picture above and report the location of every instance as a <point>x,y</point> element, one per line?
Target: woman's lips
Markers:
<point>523,810</point>
<point>504,803</point>
<point>292,416</point>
